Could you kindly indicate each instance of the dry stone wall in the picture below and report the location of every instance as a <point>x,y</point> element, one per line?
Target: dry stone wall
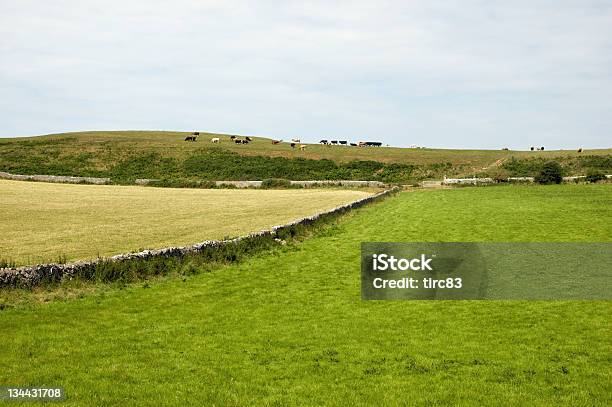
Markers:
<point>146,181</point>
<point>56,178</point>
<point>34,275</point>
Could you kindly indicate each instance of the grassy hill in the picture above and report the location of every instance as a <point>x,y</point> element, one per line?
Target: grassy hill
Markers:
<point>126,155</point>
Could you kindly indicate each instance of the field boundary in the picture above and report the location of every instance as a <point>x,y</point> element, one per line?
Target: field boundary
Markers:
<point>62,179</point>
<point>29,276</point>
<point>488,181</point>
<point>65,179</point>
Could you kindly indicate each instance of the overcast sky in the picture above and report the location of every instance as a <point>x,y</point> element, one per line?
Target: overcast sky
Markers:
<point>466,74</point>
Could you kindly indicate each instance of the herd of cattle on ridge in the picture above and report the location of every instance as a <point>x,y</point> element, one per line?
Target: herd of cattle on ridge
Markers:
<point>294,142</point>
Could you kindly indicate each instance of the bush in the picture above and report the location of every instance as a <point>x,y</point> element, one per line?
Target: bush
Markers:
<point>275,183</point>
<point>595,176</point>
<point>551,173</point>
<point>498,174</point>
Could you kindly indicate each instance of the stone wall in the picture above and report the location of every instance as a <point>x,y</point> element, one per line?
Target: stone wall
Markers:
<point>29,276</point>
<point>56,178</point>
<point>467,181</point>
<point>240,184</point>
<point>344,183</point>
<point>479,181</point>
<point>145,181</point>
<point>306,184</point>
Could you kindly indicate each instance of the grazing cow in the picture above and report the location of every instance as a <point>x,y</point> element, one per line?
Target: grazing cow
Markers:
<point>343,142</point>
<point>215,139</point>
<point>580,150</point>
<point>295,140</point>
<point>302,147</point>
<point>292,145</point>
<point>248,139</point>
<point>334,141</point>
<point>196,133</point>
<point>353,145</point>
<point>370,144</point>
<point>276,141</point>
<point>245,141</point>
<point>191,138</point>
<point>323,142</point>
<point>232,137</point>
<point>237,141</point>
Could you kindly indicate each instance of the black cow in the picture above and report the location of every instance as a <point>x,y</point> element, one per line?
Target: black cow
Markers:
<point>237,141</point>
<point>232,137</point>
<point>334,141</point>
<point>353,145</point>
<point>248,139</point>
<point>323,142</point>
<point>292,145</point>
<point>542,148</point>
<point>191,138</point>
<point>580,150</point>
<point>343,142</point>
<point>245,141</point>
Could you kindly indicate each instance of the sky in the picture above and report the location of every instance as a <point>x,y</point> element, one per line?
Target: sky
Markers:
<point>434,73</point>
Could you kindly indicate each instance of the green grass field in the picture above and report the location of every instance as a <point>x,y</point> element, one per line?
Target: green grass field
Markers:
<point>126,155</point>
<point>42,222</point>
<point>289,327</point>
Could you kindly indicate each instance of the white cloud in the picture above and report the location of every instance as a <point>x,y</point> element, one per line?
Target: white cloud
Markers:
<point>482,74</point>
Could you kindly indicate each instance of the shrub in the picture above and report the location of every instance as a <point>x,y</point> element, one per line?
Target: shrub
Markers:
<point>498,174</point>
<point>595,176</point>
<point>275,183</point>
<point>551,173</point>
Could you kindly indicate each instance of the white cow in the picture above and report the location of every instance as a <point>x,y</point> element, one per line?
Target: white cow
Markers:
<point>215,140</point>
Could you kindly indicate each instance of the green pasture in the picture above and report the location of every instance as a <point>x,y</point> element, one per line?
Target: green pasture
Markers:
<point>289,327</point>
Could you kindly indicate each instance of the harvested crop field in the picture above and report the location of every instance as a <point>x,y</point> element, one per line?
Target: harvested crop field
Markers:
<point>41,222</point>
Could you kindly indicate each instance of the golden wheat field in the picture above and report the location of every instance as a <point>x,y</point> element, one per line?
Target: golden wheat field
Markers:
<point>44,222</point>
